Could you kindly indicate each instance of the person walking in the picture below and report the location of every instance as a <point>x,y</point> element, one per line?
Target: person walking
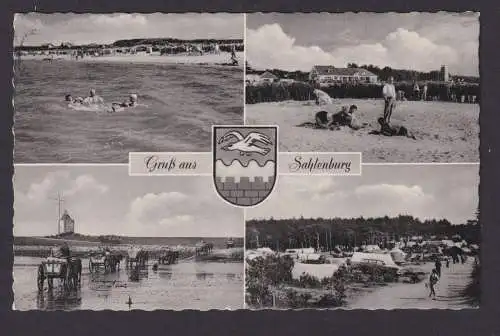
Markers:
<point>389,94</point>
<point>433,279</point>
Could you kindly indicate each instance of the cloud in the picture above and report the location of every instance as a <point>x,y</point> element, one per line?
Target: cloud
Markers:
<point>84,184</point>
<point>60,181</point>
<point>153,208</point>
<point>270,47</point>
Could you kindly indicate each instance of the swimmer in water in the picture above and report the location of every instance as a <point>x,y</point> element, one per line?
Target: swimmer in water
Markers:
<point>93,99</point>
<point>69,98</point>
<point>131,102</point>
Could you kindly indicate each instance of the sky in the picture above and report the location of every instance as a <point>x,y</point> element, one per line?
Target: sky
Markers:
<point>424,191</point>
<point>107,28</point>
<point>418,41</point>
<point>105,200</point>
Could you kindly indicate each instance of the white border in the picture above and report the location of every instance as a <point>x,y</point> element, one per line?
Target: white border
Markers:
<point>244,69</point>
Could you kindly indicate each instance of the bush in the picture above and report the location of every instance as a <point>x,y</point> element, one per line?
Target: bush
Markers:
<point>262,273</point>
<point>302,91</point>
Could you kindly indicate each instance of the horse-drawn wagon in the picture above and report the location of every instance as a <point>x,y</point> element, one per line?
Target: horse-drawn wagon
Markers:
<point>168,257</point>
<point>137,258</point>
<point>67,270</point>
<point>106,261</point>
<point>230,243</point>
<point>203,248</point>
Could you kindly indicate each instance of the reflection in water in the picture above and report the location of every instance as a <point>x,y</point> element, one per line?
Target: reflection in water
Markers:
<point>136,274</point>
<point>204,275</point>
<point>165,275</point>
<point>186,285</point>
<point>59,300</point>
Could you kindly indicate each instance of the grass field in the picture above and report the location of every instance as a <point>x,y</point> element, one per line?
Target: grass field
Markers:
<point>445,132</point>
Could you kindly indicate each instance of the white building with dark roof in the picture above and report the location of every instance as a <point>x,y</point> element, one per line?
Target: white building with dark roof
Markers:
<point>326,75</point>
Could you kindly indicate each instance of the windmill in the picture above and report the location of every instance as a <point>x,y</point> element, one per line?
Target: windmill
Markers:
<point>60,201</point>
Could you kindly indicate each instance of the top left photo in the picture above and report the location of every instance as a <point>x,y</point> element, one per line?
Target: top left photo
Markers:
<point>90,88</point>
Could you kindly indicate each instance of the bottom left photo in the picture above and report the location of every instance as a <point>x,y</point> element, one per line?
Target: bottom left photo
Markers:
<point>95,238</point>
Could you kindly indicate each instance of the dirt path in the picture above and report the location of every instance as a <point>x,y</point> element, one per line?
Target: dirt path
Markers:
<point>416,296</point>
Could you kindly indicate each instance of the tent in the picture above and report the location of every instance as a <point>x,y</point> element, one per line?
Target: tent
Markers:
<point>397,255</point>
<point>319,271</point>
<point>371,248</point>
<point>373,258</point>
<point>311,258</point>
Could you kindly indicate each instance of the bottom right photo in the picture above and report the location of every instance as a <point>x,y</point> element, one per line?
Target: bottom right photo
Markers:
<point>397,237</point>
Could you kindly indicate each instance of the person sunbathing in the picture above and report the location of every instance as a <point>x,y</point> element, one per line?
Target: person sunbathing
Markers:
<point>392,130</point>
<point>345,117</point>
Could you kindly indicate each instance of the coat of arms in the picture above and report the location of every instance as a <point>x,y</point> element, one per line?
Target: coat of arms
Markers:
<point>244,165</point>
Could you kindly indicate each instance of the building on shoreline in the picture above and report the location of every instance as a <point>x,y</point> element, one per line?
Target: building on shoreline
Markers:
<point>326,75</point>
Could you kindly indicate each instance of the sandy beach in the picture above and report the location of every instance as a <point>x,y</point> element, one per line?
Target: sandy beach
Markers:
<point>210,59</point>
<point>416,296</point>
<point>445,132</point>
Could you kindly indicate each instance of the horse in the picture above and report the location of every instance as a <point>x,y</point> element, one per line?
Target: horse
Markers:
<point>73,270</point>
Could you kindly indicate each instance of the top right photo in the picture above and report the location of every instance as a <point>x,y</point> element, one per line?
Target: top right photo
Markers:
<point>397,87</point>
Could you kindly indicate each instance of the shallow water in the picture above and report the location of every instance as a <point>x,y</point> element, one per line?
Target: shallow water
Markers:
<point>186,285</point>
<point>182,102</point>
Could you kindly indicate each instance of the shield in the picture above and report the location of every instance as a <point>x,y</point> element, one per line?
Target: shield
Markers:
<point>244,163</point>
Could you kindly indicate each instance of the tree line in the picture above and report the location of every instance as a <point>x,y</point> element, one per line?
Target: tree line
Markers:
<point>280,234</point>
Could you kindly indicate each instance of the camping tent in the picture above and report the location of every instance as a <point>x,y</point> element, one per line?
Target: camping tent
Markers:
<point>397,255</point>
<point>311,258</point>
<point>371,248</point>
<point>320,271</point>
<point>373,258</point>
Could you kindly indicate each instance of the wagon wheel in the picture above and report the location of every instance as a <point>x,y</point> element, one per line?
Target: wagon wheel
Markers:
<point>40,278</point>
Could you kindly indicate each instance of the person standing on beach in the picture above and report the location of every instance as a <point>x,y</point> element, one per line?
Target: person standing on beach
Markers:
<point>416,91</point>
<point>424,92</point>
<point>389,94</point>
<point>234,59</point>
<point>433,279</point>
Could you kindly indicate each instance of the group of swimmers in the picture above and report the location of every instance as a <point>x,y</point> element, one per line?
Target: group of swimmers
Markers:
<point>94,100</point>
<point>346,116</point>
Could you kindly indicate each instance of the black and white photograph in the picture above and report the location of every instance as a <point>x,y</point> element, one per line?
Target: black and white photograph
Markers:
<point>94,238</point>
<point>398,237</point>
<point>90,88</point>
<point>398,87</point>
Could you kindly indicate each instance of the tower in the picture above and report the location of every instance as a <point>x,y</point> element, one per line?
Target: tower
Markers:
<point>445,76</point>
<point>68,223</point>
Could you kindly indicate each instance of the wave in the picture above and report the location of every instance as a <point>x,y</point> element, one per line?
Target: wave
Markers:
<point>250,162</point>
<point>238,170</point>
